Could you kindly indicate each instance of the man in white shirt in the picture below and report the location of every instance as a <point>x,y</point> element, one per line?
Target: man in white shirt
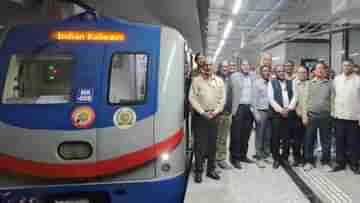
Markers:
<point>282,99</point>
<point>207,97</point>
<point>346,111</point>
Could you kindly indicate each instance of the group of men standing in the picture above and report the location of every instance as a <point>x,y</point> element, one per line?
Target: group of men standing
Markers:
<point>287,108</point>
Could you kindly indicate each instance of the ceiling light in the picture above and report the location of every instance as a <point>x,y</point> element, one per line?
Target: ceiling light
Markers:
<point>242,44</point>
<point>237,7</point>
<point>228,29</point>
<point>165,156</point>
<point>222,43</point>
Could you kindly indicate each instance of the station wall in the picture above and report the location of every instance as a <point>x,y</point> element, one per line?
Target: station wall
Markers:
<point>299,50</point>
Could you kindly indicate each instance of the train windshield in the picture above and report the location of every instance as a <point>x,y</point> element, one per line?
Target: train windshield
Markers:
<point>128,78</point>
<point>38,79</point>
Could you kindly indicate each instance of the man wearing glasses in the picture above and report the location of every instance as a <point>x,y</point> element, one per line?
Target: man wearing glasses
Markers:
<point>242,87</point>
<point>224,119</point>
<point>300,83</point>
<point>346,90</point>
<point>282,99</point>
<point>207,97</point>
<point>316,115</point>
<point>289,69</point>
<point>260,109</point>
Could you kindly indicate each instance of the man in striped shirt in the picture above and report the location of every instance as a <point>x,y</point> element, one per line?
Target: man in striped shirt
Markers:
<point>346,111</point>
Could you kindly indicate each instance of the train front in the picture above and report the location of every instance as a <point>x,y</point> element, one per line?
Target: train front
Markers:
<point>80,115</point>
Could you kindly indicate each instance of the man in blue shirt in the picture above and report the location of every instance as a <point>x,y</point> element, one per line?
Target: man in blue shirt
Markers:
<point>260,109</point>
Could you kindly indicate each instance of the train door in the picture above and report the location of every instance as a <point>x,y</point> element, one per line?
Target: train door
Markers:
<point>309,63</point>
<point>127,111</point>
<point>187,84</point>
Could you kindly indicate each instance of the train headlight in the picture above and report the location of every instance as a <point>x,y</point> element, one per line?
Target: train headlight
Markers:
<point>165,157</point>
<point>165,165</point>
<point>75,150</point>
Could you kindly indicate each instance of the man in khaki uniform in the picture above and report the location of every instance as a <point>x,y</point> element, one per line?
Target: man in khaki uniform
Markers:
<point>207,97</point>
<point>224,120</point>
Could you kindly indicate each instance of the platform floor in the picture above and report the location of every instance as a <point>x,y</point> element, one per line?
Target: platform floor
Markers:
<point>339,187</point>
<point>249,185</point>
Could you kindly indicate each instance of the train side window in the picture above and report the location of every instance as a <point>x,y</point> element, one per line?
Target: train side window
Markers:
<point>40,79</point>
<point>128,78</point>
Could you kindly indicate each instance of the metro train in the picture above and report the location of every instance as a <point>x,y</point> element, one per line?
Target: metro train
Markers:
<point>92,111</point>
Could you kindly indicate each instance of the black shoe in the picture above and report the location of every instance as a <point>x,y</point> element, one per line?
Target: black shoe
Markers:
<point>286,162</point>
<point>276,164</point>
<point>354,168</point>
<point>325,162</point>
<point>213,175</point>
<point>198,178</point>
<point>224,165</point>
<point>236,163</point>
<point>247,160</point>
<point>296,164</point>
<point>284,158</point>
<point>338,167</point>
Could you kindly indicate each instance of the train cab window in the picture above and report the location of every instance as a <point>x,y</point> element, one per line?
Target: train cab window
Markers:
<point>38,79</point>
<point>128,78</point>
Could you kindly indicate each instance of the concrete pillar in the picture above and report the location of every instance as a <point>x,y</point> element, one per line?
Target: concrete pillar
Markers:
<point>339,50</point>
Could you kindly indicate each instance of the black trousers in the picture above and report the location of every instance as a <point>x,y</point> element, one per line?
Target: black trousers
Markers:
<point>346,140</point>
<point>298,139</point>
<point>204,142</point>
<point>324,125</point>
<point>241,126</point>
<point>281,135</point>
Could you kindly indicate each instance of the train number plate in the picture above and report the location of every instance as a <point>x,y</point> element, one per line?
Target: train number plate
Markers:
<point>79,197</point>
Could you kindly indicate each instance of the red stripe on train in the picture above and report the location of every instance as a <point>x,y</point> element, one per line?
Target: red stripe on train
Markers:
<point>87,170</point>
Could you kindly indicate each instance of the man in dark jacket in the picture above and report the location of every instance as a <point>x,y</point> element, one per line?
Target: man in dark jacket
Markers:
<point>282,99</point>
